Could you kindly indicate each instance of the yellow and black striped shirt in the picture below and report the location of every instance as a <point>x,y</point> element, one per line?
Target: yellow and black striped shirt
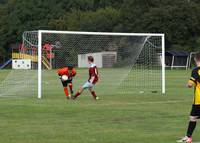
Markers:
<point>195,80</point>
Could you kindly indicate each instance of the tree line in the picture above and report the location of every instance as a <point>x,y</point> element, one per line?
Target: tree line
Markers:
<point>178,19</point>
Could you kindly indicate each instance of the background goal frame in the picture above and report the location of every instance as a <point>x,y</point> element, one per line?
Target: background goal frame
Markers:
<point>40,32</point>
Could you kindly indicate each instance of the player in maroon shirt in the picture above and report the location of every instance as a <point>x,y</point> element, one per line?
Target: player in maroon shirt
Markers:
<point>93,79</point>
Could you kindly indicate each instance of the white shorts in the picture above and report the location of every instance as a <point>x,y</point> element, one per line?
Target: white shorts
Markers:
<point>88,85</point>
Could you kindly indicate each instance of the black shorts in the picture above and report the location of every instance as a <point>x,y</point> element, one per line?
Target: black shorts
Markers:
<point>65,83</point>
<point>195,111</point>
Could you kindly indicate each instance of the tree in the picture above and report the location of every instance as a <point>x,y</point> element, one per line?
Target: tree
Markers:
<point>179,20</point>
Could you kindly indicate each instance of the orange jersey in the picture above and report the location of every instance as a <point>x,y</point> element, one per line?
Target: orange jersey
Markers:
<point>66,71</point>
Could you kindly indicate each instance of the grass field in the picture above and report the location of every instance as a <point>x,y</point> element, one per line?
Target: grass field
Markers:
<point>116,118</point>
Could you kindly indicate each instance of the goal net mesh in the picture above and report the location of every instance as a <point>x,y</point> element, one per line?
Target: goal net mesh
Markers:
<point>127,64</point>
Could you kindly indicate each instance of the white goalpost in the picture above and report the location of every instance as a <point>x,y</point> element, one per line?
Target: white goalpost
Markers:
<point>129,63</point>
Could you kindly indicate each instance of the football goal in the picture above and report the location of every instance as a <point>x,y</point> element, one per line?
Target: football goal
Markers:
<point>129,63</point>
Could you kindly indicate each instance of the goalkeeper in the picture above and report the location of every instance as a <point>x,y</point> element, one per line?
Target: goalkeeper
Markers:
<point>70,72</point>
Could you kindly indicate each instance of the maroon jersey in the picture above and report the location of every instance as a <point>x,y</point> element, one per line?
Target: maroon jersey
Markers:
<point>93,74</point>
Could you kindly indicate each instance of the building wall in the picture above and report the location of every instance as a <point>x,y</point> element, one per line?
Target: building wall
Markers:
<point>83,63</point>
<point>109,57</point>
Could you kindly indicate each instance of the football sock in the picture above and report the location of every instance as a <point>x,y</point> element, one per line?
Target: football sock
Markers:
<point>191,128</point>
<point>94,94</point>
<point>77,94</point>
<point>71,88</point>
<point>66,91</point>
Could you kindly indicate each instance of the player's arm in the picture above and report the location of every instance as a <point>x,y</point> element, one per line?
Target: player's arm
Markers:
<point>61,72</point>
<point>190,84</point>
<point>193,80</point>
<point>73,74</point>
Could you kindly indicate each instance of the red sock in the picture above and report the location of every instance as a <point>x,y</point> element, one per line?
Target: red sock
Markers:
<point>94,94</point>
<point>77,94</point>
<point>66,91</point>
<point>70,86</point>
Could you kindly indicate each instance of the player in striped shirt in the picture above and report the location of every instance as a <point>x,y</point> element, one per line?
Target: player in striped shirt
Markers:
<point>195,112</point>
<point>93,79</point>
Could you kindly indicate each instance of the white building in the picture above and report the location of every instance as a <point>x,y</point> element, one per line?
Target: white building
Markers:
<point>101,59</point>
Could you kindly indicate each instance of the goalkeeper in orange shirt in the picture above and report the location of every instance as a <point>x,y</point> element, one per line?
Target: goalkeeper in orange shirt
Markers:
<point>70,72</point>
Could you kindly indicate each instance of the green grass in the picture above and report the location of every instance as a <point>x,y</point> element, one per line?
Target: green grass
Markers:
<point>116,118</point>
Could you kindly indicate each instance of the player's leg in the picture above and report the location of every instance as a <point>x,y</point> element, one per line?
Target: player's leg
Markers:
<point>78,93</point>
<point>66,92</point>
<point>87,85</point>
<point>190,130</point>
<point>93,93</point>
<point>192,125</point>
<point>194,115</point>
<point>71,88</point>
<point>65,84</point>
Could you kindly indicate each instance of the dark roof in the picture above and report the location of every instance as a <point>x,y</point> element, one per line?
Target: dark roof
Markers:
<point>177,53</point>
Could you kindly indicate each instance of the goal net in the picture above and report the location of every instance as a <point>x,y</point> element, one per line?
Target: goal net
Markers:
<point>128,63</point>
